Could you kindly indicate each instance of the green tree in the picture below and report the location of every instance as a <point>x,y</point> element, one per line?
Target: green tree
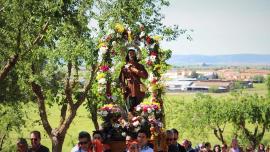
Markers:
<point>194,74</point>
<point>23,25</point>
<point>258,78</point>
<point>11,119</point>
<point>268,85</point>
<point>52,41</point>
<point>206,112</point>
<point>249,110</point>
<point>62,69</point>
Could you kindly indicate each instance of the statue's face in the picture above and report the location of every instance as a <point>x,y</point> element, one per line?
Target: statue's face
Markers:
<point>131,55</point>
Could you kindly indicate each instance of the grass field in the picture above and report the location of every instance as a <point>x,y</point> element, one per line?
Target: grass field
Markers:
<point>82,122</point>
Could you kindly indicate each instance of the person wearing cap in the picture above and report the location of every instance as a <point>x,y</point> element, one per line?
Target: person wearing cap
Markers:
<point>130,80</point>
<point>86,145</point>
<point>22,145</point>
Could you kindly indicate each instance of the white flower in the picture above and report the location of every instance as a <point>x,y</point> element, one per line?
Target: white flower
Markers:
<point>153,58</point>
<point>103,49</point>
<point>149,110</point>
<point>110,31</point>
<point>136,123</point>
<point>100,89</point>
<point>112,70</point>
<point>147,59</point>
<point>150,89</point>
<point>141,45</point>
<point>118,35</point>
<point>116,125</point>
<point>105,113</point>
<point>102,81</point>
<point>138,108</point>
<point>124,134</point>
<point>113,83</point>
<point>142,34</point>
<point>151,76</point>
<point>113,43</point>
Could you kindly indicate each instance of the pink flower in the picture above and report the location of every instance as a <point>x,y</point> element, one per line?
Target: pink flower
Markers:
<point>149,62</point>
<point>104,68</point>
<point>155,107</point>
<point>145,109</point>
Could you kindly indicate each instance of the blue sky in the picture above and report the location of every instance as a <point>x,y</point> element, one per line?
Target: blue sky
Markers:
<point>220,26</point>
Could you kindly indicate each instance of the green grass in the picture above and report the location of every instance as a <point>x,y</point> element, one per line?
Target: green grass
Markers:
<point>82,122</point>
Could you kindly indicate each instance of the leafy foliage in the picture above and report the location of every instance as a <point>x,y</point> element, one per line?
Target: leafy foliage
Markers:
<point>11,119</point>
<point>240,109</point>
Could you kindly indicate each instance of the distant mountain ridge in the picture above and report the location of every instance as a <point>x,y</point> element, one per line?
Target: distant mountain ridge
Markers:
<point>230,59</point>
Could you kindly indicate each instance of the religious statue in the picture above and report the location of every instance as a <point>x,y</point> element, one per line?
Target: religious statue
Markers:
<point>130,80</point>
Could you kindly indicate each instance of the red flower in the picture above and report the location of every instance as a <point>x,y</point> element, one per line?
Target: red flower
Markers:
<point>149,62</point>
<point>148,40</point>
<point>154,81</point>
<point>104,68</point>
<point>145,109</point>
<point>154,53</point>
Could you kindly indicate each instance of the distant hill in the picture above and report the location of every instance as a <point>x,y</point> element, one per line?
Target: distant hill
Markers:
<point>231,59</point>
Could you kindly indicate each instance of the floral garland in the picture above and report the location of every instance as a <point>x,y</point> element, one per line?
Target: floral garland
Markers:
<point>114,44</point>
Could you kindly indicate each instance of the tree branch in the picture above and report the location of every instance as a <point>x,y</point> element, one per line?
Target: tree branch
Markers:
<point>3,138</point>
<point>216,134</point>
<point>13,59</point>
<point>68,89</point>
<point>256,130</point>
<point>39,37</point>
<point>76,76</point>
<point>68,93</point>
<point>41,104</point>
<point>73,109</point>
<point>221,134</point>
<point>87,86</point>
<point>260,135</point>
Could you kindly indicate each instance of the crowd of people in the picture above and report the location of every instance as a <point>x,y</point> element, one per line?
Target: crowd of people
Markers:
<point>136,143</point>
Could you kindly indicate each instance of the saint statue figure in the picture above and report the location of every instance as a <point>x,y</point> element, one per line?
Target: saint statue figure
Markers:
<point>130,80</point>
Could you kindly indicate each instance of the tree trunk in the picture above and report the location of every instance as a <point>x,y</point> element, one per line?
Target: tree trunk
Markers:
<point>57,143</point>
<point>8,67</point>
<point>94,118</point>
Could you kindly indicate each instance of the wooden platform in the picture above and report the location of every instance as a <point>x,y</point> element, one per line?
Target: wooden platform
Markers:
<point>118,146</point>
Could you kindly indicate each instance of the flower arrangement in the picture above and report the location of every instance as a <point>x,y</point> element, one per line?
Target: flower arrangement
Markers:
<point>148,108</point>
<point>109,110</point>
<point>113,45</point>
